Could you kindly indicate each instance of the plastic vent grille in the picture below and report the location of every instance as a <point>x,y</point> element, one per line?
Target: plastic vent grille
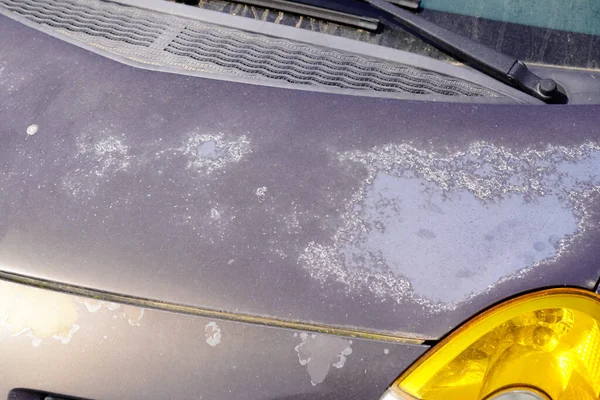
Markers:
<point>160,40</point>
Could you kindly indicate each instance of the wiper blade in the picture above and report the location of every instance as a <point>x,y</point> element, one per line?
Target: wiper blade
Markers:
<point>503,67</point>
<point>343,12</point>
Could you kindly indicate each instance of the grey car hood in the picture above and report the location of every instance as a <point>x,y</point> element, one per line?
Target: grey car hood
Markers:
<point>378,214</point>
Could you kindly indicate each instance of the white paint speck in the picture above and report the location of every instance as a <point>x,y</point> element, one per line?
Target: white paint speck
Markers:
<point>386,351</point>
<point>212,333</point>
<point>134,315</point>
<point>32,129</point>
<point>261,193</point>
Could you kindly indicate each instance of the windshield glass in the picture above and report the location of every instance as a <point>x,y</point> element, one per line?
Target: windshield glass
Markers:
<point>578,16</point>
<point>556,32</point>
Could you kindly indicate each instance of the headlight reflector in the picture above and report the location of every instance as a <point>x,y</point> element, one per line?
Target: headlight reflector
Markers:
<point>540,346</point>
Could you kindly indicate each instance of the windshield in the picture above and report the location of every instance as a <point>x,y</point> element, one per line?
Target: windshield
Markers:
<point>557,32</point>
<point>550,32</point>
<point>577,16</point>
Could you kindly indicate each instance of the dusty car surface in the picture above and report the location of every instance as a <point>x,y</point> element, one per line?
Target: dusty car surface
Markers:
<point>267,206</point>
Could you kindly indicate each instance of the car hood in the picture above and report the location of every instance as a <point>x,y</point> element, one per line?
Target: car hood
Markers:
<point>379,214</point>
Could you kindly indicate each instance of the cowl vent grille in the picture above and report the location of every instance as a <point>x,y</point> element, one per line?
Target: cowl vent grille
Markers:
<point>161,40</point>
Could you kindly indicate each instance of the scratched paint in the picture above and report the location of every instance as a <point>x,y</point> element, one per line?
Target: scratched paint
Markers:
<point>321,352</point>
<point>477,216</point>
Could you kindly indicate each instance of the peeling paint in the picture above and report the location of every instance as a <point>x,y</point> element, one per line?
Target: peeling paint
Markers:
<point>215,214</point>
<point>93,305</point>
<point>37,314</point>
<point>488,213</point>
<point>98,158</point>
<point>32,129</point>
<point>134,315</point>
<point>209,152</point>
<point>66,338</point>
<point>261,193</point>
<point>212,333</point>
<point>321,352</point>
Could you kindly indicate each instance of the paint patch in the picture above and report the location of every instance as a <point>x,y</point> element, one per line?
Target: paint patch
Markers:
<point>209,152</point>
<point>477,218</point>
<point>212,333</point>
<point>321,352</point>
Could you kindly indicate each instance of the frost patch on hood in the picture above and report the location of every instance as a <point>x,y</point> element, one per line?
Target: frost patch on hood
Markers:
<point>209,152</point>
<point>98,158</point>
<point>437,229</point>
<point>212,333</point>
<point>321,352</point>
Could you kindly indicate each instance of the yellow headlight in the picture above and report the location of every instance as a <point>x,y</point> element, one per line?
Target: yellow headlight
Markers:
<point>543,345</point>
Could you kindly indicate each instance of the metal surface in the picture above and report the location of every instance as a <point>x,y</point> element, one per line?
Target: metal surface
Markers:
<point>75,346</point>
<point>388,215</point>
<point>186,45</point>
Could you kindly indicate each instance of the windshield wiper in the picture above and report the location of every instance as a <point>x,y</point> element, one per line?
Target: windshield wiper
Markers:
<point>498,65</point>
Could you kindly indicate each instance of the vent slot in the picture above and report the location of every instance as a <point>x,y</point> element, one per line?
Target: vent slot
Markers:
<point>161,40</point>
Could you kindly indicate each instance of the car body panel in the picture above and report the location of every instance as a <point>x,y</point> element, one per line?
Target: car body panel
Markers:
<point>378,214</point>
<point>75,346</point>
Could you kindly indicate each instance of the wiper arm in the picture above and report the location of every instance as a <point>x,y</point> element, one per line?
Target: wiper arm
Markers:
<point>494,63</point>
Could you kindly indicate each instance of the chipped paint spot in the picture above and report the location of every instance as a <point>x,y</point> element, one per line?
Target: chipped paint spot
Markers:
<point>215,214</point>
<point>321,352</point>
<point>488,214</point>
<point>209,152</point>
<point>212,333</point>
<point>32,129</point>
<point>261,193</point>
<point>134,314</point>
<point>386,351</point>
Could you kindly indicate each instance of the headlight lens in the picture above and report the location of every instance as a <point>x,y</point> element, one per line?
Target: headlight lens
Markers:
<point>540,346</point>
